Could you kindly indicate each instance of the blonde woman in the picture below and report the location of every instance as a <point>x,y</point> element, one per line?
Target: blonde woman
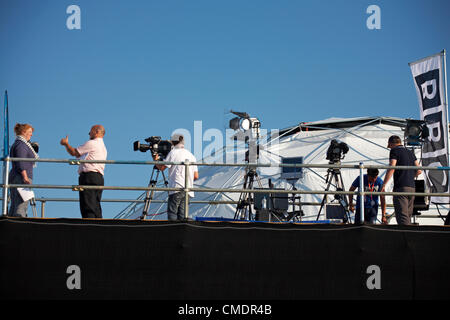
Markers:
<point>22,171</point>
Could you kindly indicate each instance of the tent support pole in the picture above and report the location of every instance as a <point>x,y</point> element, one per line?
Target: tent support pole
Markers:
<point>361,193</point>
<point>186,189</point>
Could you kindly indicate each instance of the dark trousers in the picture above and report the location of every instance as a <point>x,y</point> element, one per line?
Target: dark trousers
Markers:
<point>176,206</point>
<point>404,206</point>
<point>370,215</point>
<point>90,199</point>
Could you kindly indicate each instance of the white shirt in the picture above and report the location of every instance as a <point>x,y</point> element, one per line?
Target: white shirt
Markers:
<point>176,172</point>
<point>92,150</point>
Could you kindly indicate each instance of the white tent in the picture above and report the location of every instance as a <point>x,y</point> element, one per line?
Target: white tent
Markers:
<point>367,142</point>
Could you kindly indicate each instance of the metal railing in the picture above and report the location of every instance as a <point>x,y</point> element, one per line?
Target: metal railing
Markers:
<point>360,193</point>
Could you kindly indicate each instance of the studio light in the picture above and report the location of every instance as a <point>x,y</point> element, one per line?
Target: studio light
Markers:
<point>235,123</point>
<point>245,123</point>
<point>416,132</point>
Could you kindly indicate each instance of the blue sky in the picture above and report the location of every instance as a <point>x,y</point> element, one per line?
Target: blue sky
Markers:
<point>144,68</point>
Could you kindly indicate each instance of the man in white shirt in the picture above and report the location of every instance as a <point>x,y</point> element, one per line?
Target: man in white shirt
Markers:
<point>90,173</point>
<point>176,201</point>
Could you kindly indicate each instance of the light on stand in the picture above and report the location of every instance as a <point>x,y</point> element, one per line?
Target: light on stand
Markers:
<point>248,130</point>
<point>246,124</point>
<point>416,132</point>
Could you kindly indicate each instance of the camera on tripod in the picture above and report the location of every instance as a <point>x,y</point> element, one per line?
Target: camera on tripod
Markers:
<point>336,151</point>
<point>155,145</point>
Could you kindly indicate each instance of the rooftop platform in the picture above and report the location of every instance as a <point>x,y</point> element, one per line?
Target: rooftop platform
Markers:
<point>214,260</point>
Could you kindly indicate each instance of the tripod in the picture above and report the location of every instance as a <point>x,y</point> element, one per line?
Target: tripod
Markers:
<point>33,206</point>
<point>334,174</point>
<point>150,193</point>
<point>246,199</point>
<point>295,215</point>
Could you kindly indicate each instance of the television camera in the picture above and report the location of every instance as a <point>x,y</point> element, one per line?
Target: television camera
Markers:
<point>155,145</point>
<point>336,151</point>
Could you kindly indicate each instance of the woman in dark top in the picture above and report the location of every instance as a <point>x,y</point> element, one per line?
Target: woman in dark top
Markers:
<point>22,171</point>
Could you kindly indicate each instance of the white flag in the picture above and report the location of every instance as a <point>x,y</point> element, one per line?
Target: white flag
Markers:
<point>429,82</point>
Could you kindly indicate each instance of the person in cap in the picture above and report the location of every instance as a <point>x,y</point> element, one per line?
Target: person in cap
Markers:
<point>403,179</point>
<point>371,183</point>
<point>176,202</point>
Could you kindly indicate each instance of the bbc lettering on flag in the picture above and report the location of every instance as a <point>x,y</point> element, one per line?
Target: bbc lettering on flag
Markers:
<point>428,74</point>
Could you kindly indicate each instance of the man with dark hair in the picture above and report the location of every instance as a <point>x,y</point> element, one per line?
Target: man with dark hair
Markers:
<point>403,179</point>
<point>371,183</point>
<point>176,202</point>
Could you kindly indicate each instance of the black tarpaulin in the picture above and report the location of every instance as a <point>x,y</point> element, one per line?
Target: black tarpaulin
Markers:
<point>124,259</point>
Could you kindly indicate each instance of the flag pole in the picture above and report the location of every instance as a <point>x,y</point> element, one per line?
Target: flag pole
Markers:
<point>445,84</point>
<point>447,219</point>
<point>6,127</point>
<point>5,156</point>
<point>444,67</point>
<point>446,98</point>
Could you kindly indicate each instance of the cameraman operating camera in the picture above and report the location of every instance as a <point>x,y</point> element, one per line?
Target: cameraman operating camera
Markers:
<point>176,202</point>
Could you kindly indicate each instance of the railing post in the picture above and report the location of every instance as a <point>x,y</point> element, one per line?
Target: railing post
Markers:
<point>5,186</point>
<point>361,193</point>
<point>42,208</point>
<point>186,189</point>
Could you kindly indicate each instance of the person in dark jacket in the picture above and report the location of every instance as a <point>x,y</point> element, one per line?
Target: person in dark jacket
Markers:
<point>22,171</point>
<point>403,179</point>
